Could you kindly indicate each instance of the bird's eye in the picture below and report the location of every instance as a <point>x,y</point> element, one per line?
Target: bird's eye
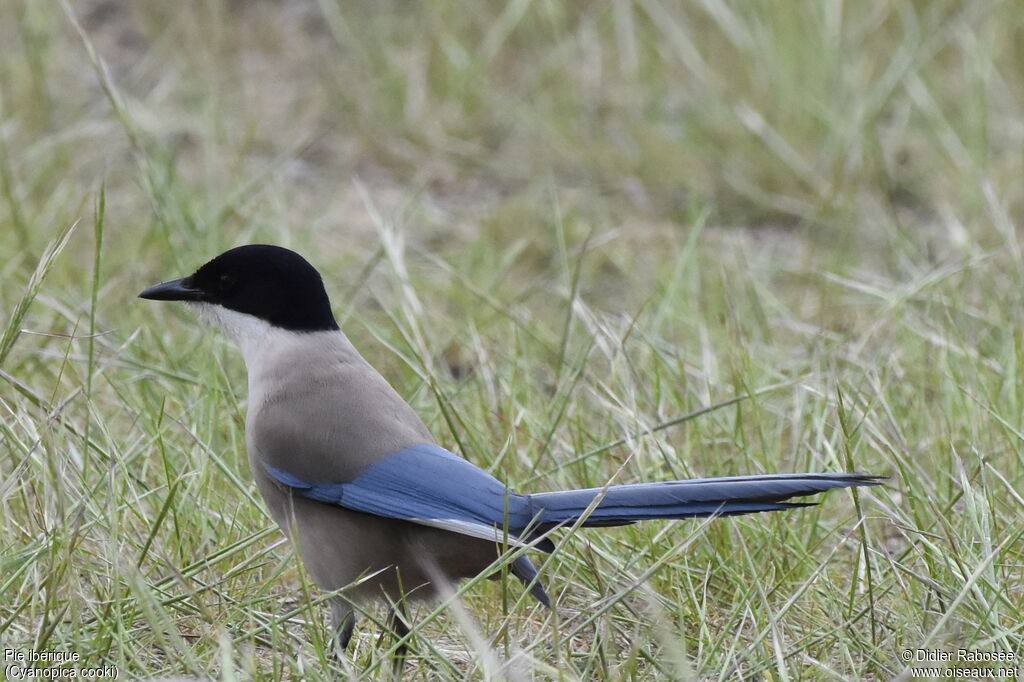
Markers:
<point>225,283</point>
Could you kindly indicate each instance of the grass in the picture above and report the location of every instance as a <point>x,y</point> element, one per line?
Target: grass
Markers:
<point>556,228</point>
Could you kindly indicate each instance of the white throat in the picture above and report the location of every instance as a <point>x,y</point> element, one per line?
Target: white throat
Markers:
<point>249,333</point>
<point>275,356</point>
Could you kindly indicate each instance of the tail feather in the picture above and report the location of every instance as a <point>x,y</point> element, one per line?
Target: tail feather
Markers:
<point>623,504</point>
<point>523,569</point>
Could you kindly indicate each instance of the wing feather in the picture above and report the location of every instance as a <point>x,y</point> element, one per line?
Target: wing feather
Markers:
<point>428,485</point>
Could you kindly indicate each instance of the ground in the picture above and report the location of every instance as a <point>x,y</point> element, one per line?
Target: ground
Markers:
<point>558,228</point>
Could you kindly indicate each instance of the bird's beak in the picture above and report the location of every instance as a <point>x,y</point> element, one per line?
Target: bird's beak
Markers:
<point>174,290</point>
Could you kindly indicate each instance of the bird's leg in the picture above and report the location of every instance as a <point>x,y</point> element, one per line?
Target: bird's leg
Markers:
<point>343,618</point>
<point>397,623</point>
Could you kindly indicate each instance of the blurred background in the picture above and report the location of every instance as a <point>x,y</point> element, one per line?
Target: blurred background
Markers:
<point>553,225</point>
<point>889,131</point>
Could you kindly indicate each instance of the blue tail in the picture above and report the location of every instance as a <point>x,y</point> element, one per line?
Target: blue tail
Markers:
<point>623,504</point>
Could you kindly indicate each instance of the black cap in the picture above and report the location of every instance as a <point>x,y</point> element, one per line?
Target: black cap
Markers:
<point>269,282</point>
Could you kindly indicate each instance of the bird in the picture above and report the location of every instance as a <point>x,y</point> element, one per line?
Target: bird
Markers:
<point>351,474</point>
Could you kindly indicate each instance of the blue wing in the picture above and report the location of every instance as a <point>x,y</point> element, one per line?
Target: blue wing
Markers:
<point>428,485</point>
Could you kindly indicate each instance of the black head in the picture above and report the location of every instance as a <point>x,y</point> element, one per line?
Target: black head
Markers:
<point>269,282</point>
